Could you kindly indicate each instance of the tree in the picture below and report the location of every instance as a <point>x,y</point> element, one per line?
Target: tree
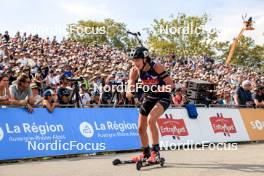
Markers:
<point>247,53</point>
<point>107,32</point>
<point>183,35</point>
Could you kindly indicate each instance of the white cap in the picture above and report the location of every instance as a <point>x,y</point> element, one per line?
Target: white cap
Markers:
<point>246,82</point>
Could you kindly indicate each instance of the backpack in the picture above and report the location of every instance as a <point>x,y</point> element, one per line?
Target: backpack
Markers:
<point>192,111</point>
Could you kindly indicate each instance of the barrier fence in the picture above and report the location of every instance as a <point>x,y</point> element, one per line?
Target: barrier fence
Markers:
<point>91,130</point>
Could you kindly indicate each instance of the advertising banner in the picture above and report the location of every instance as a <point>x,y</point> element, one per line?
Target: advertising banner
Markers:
<point>66,131</point>
<point>254,122</point>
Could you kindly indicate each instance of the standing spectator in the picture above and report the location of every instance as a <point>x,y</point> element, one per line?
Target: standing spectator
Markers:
<point>6,37</point>
<point>21,92</point>
<point>243,95</point>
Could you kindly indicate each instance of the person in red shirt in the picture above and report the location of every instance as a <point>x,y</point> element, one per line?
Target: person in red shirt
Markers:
<point>178,99</point>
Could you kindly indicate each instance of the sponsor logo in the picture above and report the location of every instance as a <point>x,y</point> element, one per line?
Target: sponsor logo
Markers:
<point>257,125</point>
<point>220,124</point>
<point>150,81</point>
<point>172,127</point>
<point>86,129</point>
<point>1,134</point>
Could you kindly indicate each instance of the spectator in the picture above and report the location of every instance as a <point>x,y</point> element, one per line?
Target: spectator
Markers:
<point>38,80</point>
<point>85,95</point>
<point>6,37</point>
<point>68,72</point>
<point>178,99</point>
<point>64,94</point>
<point>5,97</point>
<point>258,97</point>
<point>21,92</point>
<point>220,98</point>
<point>50,100</point>
<point>52,79</point>
<point>35,90</point>
<point>243,95</point>
<point>40,55</point>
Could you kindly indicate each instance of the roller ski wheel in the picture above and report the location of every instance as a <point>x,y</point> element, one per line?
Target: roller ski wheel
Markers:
<point>145,163</point>
<point>139,165</point>
<point>162,162</point>
<point>117,162</point>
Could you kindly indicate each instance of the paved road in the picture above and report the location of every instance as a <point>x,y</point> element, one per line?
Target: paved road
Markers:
<point>247,160</point>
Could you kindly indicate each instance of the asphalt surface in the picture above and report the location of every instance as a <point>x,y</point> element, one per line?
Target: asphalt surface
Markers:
<point>246,160</point>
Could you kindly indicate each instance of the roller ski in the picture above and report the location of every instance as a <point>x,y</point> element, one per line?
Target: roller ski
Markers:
<point>121,162</point>
<point>134,159</point>
<point>154,159</point>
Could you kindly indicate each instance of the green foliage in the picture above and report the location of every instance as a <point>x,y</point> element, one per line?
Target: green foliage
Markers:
<point>108,32</point>
<point>182,35</point>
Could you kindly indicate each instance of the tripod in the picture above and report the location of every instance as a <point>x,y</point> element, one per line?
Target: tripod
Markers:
<point>76,93</point>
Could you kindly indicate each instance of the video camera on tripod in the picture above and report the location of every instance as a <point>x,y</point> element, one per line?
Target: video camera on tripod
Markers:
<point>76,89</point>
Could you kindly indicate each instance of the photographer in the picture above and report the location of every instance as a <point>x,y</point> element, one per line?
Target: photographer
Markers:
<point>64,93</point>
<point>50,100</point>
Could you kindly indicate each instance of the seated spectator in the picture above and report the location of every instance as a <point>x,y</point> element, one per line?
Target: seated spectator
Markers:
<point>5,96</point>
<point>243,95</point>
<point>35,90</point>
<point>50,100</point>
<point>21,92</point>
<point>258,97</point>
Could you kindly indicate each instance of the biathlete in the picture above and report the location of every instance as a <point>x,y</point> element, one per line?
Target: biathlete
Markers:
<point>154,102</point>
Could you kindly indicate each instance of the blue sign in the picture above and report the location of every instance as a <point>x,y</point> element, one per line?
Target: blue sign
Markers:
<point>66,131</point>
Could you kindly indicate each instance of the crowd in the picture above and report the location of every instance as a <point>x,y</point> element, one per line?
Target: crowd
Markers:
<point>37,71</point>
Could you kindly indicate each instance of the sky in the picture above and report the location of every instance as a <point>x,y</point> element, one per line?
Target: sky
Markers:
<point>49,17</point>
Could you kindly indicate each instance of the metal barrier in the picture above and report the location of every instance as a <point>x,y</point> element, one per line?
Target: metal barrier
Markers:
<point>233,106</point>
<point>134,106</point>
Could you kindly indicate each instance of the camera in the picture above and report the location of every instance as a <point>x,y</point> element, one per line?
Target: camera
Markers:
<point>75,79</point>
<point>115,82</point>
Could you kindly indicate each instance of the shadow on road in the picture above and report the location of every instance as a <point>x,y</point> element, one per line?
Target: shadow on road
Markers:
<point>249,168</point>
